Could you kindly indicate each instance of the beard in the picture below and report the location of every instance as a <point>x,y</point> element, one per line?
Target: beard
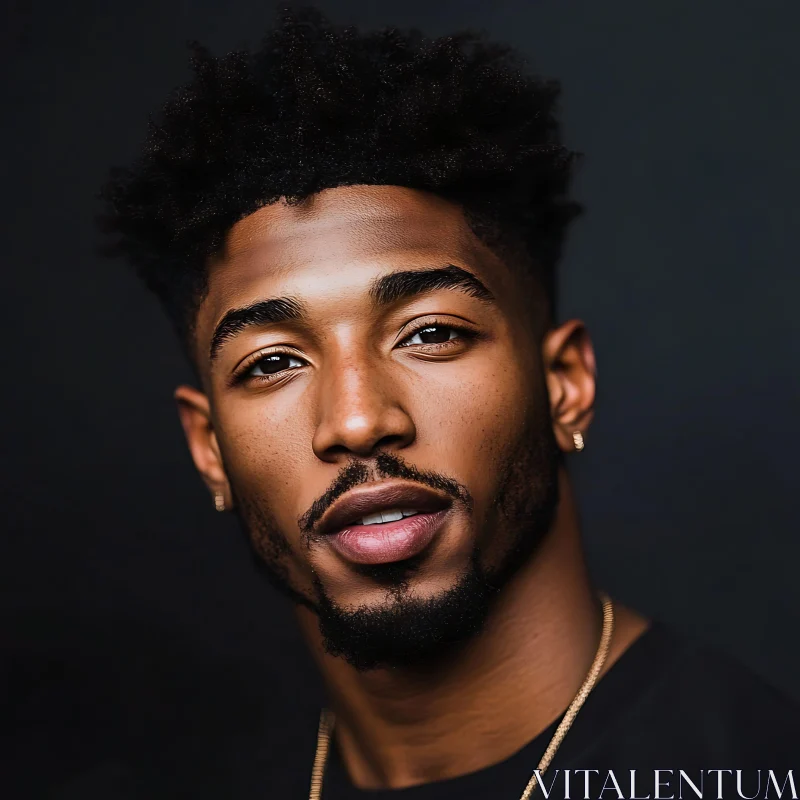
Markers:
<point>409,631</point>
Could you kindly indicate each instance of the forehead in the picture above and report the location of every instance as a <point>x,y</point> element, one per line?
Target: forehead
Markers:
<point>358,217</point>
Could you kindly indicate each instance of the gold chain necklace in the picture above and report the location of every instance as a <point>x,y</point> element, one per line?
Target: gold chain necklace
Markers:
<point>327,719</point>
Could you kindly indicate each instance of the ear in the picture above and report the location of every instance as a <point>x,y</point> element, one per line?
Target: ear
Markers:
<point>570,371</point>
<point>195,415</point>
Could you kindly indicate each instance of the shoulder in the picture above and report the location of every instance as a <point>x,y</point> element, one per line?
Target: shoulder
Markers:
<point>713,703</point>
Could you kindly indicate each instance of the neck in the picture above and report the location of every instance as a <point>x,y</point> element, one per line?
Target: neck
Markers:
<point>397,728</point>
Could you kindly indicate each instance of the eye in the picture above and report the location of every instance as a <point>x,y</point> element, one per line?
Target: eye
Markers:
<point>273,363</point>
<point>438,335</point>
<point>267,366</point>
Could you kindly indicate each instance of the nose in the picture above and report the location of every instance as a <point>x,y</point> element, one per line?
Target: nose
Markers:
<point>360,411</point>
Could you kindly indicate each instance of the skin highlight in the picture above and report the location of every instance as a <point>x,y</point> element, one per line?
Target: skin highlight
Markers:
<point>358,381</point>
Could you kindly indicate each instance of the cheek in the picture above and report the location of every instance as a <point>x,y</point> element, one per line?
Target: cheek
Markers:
<point>265,449</point>
<point>471,422</point>
<point>266,462</point>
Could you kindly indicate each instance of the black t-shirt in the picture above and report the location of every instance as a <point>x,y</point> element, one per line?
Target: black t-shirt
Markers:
<point>668,703</point>
<point>177,726</point>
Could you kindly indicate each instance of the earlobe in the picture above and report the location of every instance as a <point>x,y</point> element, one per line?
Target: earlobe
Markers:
<point>569,364</point>
<point>194,411</point>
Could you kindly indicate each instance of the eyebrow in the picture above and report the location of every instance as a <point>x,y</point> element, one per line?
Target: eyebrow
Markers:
<point>385,290</point>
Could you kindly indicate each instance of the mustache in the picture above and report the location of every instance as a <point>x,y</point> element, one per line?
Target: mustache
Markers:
<point>384,465</point>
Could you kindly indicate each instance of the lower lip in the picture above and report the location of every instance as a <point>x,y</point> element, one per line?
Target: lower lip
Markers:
<point>388,541</point>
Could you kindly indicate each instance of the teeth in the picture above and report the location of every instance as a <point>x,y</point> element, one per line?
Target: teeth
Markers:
<point>390,515</point>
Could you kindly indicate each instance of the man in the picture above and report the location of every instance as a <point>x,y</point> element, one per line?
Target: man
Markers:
<point>356,238</point>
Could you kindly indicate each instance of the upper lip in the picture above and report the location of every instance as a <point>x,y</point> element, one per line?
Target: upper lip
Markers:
<point>360,502</point>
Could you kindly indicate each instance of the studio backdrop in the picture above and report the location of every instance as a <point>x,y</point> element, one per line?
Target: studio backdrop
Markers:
<point>685,268</point>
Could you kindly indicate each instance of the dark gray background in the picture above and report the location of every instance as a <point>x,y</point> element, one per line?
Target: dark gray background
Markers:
<point>685,268</point>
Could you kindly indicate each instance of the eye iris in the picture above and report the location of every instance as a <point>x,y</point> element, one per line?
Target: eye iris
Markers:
<point>271,364</point>
<point>435,334</point>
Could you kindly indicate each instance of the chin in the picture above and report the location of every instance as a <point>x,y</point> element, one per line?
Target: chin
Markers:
<point>404,619</point>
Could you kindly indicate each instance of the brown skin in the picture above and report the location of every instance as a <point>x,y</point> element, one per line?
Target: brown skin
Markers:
<point>455,410</point>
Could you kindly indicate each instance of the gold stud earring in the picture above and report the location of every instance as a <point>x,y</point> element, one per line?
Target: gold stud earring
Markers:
<point>577,437</point>
<point>219,501</point>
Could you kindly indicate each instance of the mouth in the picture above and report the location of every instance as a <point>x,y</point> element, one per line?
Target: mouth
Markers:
<point>384,523</point>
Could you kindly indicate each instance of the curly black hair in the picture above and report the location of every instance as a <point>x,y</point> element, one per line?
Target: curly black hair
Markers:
<point>318,106</point>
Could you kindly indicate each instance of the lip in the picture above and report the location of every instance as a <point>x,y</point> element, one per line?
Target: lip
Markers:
<point>364,500</point>
<point>386,542</point>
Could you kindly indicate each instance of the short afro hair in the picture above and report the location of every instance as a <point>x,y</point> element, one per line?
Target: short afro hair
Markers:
<point>318,106</point>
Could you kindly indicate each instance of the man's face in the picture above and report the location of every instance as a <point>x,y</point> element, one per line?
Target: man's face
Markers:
<point>395,369</point>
